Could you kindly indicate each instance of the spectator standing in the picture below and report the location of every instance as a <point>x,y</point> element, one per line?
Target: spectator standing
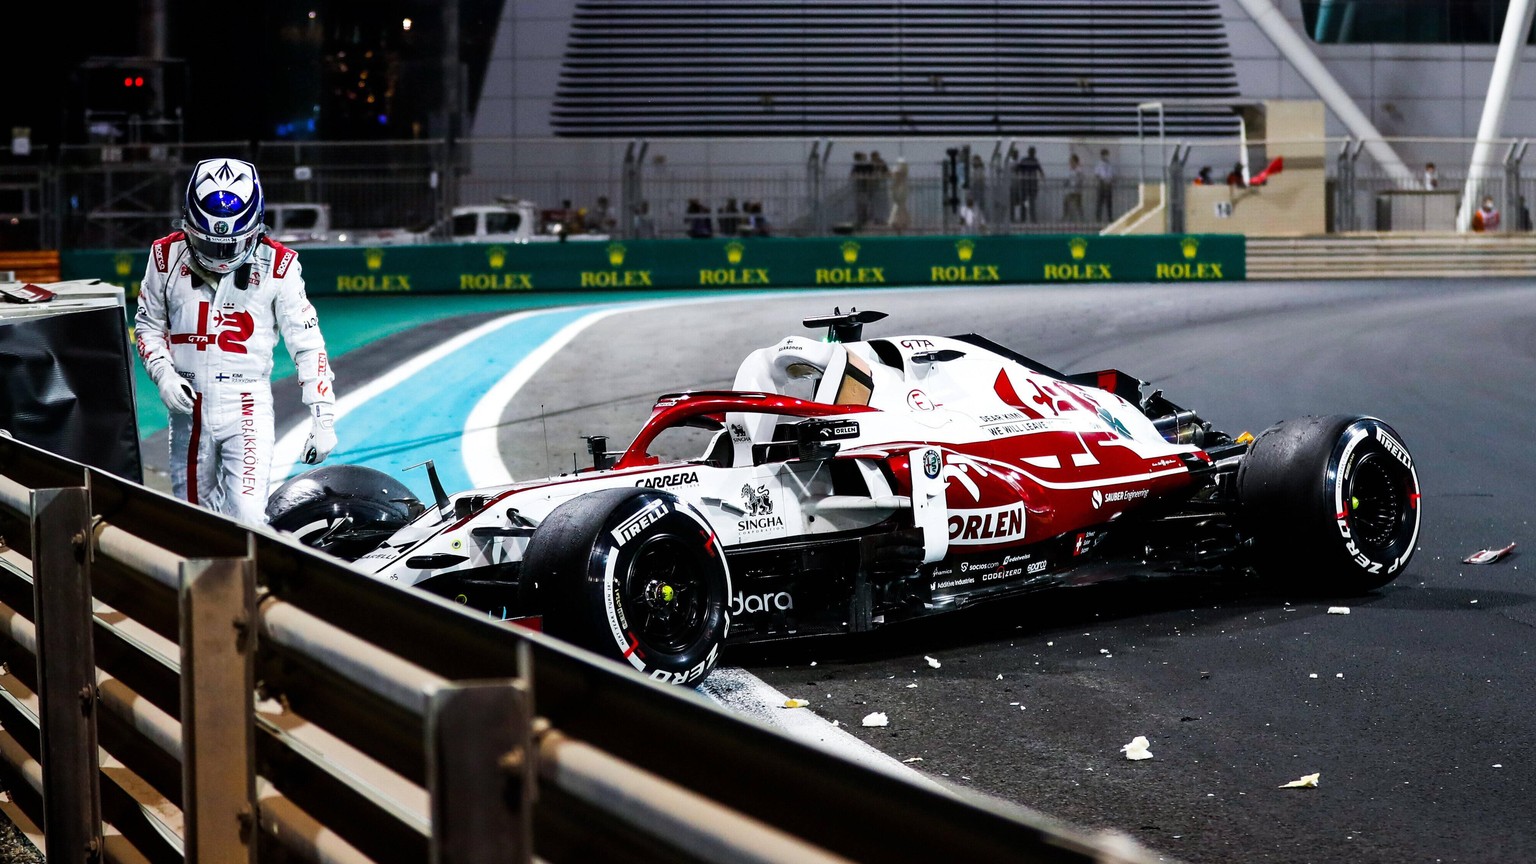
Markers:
<point>1431,178</point>
<point>756,225</point>
<point>879,182</point>
<point>858,178</point>
<point>976,175</point>
<point>700,222</point>
<point>969,217</point>
<point>601,220</point>
<point>1204,177</point>
<point>644,223</point>
<point>730,218</point>
<point>1104,174</point>
<point>1487,216</point>
<point>900,218</point>
<point>1235,176</point>
<point>1027,173</point>
<point>1072,201</point>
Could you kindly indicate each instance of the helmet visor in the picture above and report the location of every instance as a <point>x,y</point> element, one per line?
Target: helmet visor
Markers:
<point>221,254</point>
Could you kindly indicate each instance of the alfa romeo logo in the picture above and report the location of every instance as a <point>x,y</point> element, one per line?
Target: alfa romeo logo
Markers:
<point>931,464</point>
<point>221,227</point>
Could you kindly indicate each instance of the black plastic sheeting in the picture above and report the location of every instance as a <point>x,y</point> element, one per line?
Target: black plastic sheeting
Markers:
<point>68,387</point>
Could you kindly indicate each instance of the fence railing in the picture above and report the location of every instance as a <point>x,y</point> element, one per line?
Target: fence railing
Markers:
<point>94,196</point>
<point>178,687</point>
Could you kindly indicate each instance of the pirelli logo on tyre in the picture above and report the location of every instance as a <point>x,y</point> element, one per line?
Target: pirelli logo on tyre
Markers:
<point>630,528</point>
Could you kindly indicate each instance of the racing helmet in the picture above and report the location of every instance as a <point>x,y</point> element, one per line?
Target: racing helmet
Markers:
<point>222,213</point>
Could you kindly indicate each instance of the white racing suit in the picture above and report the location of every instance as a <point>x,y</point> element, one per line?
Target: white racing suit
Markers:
<point>219,338</point>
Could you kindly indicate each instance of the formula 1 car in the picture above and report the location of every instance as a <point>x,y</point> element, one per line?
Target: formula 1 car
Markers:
<point>851,483</point>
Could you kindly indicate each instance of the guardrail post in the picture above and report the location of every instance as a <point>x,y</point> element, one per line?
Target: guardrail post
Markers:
<point>218,601</point>
<point>480,769</point>
<point>66,674</point>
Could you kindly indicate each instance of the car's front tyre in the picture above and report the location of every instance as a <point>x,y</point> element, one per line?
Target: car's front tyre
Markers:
<point>1332,503</point>
<point>636,575</point>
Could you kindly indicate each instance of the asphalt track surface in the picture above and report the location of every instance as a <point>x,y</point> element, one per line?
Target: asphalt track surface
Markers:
<point>1418,719</point>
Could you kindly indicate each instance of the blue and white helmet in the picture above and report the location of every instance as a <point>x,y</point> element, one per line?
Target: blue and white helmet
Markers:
<point>223,213</point>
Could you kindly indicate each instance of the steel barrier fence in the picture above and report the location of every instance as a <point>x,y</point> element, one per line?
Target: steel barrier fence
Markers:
<point>178,687</point>
<point>100,196</point>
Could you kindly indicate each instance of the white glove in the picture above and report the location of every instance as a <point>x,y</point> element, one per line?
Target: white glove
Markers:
<point>322,436</point>
<point>176,393</point>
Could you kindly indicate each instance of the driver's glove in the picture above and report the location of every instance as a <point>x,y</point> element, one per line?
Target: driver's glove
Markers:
<point>322,435</point>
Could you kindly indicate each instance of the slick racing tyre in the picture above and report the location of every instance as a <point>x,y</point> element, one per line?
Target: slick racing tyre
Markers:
<point>636,575</point>
<point>1332,502</point>
<point>343,510</point>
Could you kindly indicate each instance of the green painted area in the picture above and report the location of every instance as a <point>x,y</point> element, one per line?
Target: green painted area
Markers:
<point>352,322</point>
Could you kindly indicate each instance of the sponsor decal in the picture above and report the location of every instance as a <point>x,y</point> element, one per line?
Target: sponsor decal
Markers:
<point>739,433</point>
<point>754,604</point>
<point>913,344</point>
<point>967,274</point>
<point>986,526</point>
<point>1393,447</point>
<point>850,276</point>
<point>379,283</point>
<point>284,260</point>
<point>1163,463</point>
<point>615,278</point>
<point>917,400</point>
<point>495,281</point>
<point>1119,496</point>
<point>159,253</point>
<point>221,227</point>
<point>1078,270</point>
<point>1036,567</point>
<point>630,528</point>
<point>1190,270</point>
<point>1085,542</point>
<point>759,506</point>
<point>255,277</point>
<point>932,464</point>
<point>951,583</point>
<point>838,429</point>
<point>734,276</point>
<point>669,481</point>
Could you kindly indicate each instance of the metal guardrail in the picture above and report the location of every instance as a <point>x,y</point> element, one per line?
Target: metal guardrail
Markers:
<point>178,687</point>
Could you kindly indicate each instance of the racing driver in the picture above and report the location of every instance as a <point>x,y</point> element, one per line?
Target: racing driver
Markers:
<point>214,296</point>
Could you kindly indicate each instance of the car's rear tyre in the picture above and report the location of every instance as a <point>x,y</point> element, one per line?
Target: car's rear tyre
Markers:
<point>1332,503</point>
<point>635,575</point>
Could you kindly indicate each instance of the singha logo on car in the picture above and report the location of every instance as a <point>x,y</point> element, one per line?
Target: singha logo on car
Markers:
<point>759,505</point>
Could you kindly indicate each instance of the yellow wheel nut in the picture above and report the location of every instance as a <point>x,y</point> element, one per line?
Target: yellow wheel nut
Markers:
<point>667,594</point>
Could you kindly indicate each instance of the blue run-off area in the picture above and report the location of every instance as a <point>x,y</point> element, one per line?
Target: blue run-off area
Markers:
<point>424,417</point>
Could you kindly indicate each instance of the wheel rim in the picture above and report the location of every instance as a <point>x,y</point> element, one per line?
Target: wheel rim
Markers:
<point>1376,505</point>
<point>665,596</point>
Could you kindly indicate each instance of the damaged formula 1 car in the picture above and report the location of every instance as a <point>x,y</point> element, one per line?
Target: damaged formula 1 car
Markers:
<point>849,483</point>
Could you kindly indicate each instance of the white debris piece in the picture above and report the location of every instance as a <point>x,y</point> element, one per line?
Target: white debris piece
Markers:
<point>913,759</point>
<point>911,686</point>
<point>1312,675</point>
<point>1308,781</point>
<point>999,676</point>
<point>878,718</point>
<point>1137,749</point>
<point>1488,556</point>
<point>932,662</point>
<point>1103,650</point>
<point>1338,610</point>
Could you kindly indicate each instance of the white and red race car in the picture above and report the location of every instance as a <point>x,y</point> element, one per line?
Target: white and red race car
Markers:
<point>851,483</point>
